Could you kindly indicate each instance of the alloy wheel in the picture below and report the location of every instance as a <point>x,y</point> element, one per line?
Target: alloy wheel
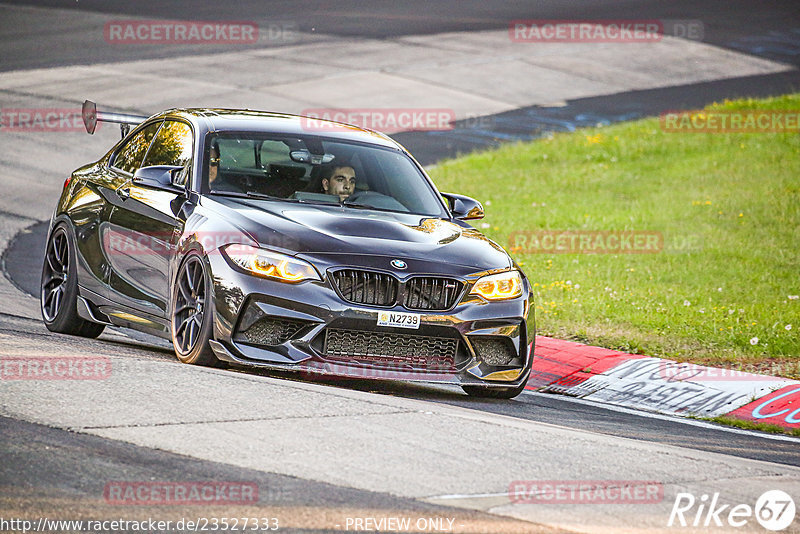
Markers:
<point>56,272</point>
<point>190,305</point>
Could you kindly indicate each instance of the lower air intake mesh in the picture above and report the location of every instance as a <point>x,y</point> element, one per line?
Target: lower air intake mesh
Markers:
<point>418,351</point>
<point>493,350</point>
<point>271,331</point>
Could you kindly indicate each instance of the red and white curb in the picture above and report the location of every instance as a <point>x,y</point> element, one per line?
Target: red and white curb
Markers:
<point>660,385</point>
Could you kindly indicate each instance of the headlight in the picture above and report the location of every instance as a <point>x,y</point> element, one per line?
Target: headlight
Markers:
<point>500,286</point>
<point>270,264</point>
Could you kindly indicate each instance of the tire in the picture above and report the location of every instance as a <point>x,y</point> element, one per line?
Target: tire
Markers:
<point>493,393</point>
<point>58,291</point>
<point>191,321</point>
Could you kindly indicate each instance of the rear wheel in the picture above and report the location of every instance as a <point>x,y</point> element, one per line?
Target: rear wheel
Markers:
<point>192,313</point>
<point>59,288</point>
<point>493,393</point>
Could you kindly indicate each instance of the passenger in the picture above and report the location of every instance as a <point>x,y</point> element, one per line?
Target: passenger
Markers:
<point>213,167</point>
<point>339,180</point>
<point>216,180</point>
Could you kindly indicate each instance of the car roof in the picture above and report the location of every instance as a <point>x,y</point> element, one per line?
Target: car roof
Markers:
<point>247,120</point>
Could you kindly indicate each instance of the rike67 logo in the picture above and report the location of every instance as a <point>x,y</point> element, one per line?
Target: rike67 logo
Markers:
<point>774,510</point>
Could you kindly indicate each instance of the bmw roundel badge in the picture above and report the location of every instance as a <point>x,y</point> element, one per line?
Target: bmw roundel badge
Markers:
<point>399,264</point>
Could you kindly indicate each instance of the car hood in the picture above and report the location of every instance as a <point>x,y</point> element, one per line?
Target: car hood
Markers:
<point>348,236</point>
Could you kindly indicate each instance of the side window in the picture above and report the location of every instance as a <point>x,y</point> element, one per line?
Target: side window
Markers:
<point>130,156</point>
<point>172,146</point>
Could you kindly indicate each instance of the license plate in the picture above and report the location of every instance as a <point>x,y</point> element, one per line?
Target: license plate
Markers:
<point>398,319</point>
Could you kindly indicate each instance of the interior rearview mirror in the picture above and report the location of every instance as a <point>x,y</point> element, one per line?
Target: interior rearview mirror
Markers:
<point>304,156</point>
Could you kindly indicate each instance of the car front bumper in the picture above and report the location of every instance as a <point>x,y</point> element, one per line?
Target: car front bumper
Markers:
<point>308,327</point>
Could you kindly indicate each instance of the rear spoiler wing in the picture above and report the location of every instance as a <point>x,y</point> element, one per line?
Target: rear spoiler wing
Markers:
<point>91,117</point>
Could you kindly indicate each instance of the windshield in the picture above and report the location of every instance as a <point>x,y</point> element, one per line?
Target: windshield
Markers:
<point>317,170</point>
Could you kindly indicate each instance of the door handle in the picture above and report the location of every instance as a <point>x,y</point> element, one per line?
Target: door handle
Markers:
<point>124,193</point>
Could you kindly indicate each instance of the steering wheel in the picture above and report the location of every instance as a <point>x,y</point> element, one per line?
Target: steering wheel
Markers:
<point>376,200</point>
<point>359,196</point>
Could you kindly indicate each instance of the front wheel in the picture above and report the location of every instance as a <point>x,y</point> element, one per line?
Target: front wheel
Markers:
<point>493,393</point>
<point>59,288</point>
<point>192,313</point>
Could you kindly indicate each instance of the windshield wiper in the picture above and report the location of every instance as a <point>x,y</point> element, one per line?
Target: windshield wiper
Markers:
<point>263,196</point>
<point>356,205</point>
<point>315,201</point>
<point>366,207</point>
<point>250,194</point>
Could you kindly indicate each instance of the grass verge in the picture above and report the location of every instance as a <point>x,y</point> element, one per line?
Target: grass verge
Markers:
<point>723,287</point>
<point>750,425</point>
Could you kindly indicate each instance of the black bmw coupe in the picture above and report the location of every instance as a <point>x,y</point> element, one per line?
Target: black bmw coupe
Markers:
<point>284,242</point>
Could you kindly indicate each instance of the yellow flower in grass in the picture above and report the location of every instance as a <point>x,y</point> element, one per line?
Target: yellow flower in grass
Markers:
<point>594,139</point>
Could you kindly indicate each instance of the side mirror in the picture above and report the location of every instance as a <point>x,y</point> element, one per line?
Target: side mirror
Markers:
<point>158,177</point>
<point>89,114</point>
<point>463,207</point>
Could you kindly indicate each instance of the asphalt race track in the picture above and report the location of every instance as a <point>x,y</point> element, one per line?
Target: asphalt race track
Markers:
<point>323,454</point>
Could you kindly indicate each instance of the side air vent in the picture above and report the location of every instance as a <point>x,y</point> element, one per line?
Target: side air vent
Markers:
<point>271,331</point>
<point>493,350</point>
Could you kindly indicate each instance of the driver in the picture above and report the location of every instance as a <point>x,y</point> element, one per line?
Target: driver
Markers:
<point>339,180</point>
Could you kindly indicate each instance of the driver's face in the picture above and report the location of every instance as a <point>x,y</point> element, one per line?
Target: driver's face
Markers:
<point>213,165</point>
<point>342,183</point>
